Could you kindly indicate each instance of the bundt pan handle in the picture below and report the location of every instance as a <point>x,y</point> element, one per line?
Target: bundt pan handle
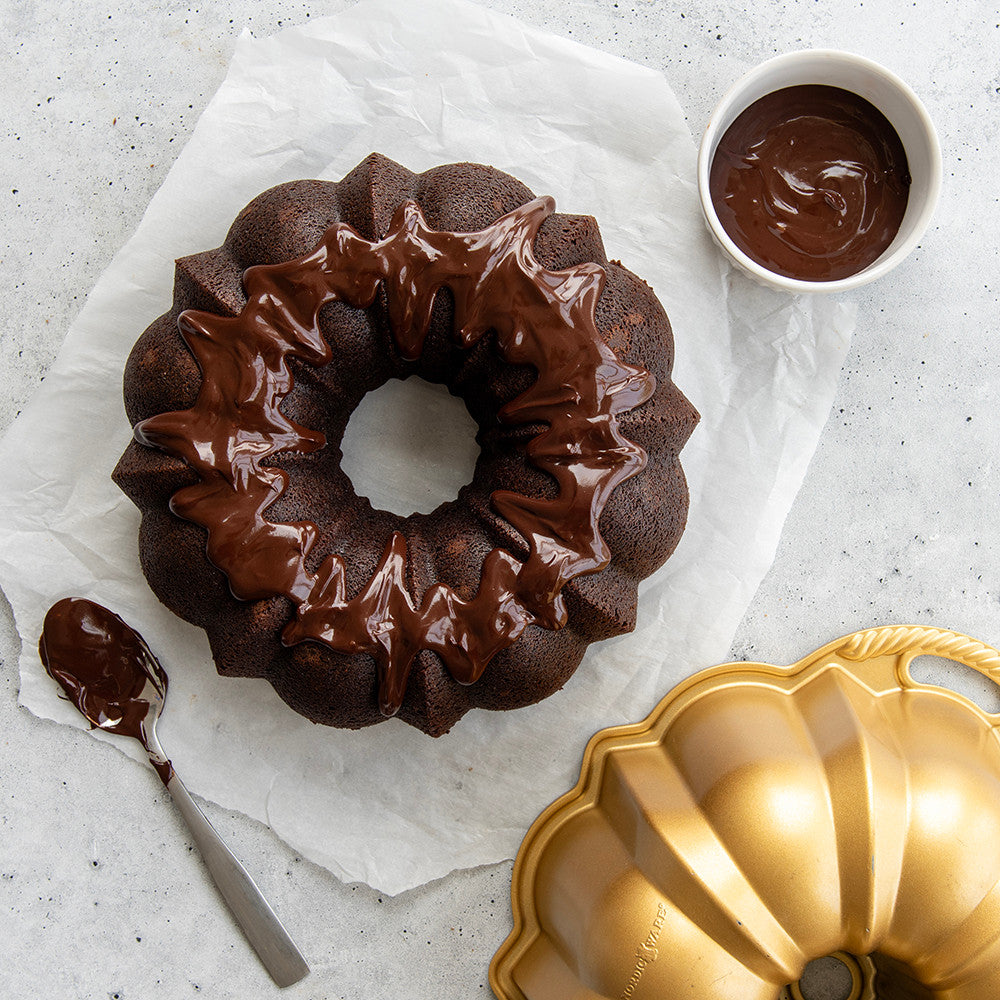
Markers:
<point>766,819</point>
<point>896,647</point>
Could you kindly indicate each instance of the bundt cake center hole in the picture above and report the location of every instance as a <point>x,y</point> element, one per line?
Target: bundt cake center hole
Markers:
<point>410,446</point>
<point>827,978</point>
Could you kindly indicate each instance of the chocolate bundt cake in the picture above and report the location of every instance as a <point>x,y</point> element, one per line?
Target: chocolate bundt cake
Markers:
<point>240,396</point>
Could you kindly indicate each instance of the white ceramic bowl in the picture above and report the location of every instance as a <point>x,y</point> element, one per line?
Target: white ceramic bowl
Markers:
<point>875,84</point>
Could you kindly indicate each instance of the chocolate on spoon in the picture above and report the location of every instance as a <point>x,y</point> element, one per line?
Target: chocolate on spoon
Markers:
<point>106,670</point>
<point>110,674</point>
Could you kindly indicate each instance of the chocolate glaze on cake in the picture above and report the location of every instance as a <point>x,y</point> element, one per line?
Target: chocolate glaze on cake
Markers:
<point>461,277</point>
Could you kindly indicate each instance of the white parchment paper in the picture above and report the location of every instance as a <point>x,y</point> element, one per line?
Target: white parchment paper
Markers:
<point>426,83</point>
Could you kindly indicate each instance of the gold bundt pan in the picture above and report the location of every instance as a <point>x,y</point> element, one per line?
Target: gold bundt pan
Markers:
<point>763,817</point>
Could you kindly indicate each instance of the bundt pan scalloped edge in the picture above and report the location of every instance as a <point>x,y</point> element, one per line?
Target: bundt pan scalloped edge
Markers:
<point>763,817</point>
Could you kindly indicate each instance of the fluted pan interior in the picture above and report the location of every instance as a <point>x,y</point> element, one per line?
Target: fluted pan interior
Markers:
<point>764,817</point>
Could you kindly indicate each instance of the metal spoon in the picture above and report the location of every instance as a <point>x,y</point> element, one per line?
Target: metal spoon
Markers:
<point>110,674</point>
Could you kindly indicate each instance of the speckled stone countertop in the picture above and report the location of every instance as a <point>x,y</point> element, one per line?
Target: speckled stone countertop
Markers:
<point>898,519</point>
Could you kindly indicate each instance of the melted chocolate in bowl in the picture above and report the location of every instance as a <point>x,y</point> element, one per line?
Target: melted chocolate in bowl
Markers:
<point>106,670</point>
<point>811,182</point>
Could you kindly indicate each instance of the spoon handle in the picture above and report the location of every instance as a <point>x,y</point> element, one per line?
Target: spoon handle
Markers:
<point>262,927</point>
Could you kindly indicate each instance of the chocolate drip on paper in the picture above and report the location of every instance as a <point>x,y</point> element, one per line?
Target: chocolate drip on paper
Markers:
<point>542,318</point>
<point>106,670</point>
